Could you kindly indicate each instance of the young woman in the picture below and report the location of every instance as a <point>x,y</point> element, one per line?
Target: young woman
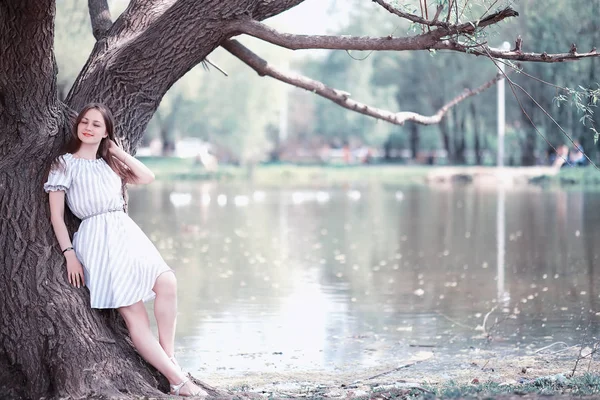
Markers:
<point>110,254</point>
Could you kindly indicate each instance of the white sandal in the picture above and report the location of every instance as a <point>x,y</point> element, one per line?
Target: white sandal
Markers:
<point>175,389</point>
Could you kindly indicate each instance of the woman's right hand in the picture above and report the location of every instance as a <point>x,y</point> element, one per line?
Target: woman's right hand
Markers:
<point>74,269</point>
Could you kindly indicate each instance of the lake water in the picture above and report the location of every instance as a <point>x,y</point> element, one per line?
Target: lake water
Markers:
<point>351,277</point>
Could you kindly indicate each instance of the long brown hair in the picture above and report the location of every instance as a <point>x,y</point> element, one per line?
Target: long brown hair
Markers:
<point>74,143</point>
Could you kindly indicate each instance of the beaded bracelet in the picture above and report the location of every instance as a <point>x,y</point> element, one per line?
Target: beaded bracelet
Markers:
<point>67,249</point>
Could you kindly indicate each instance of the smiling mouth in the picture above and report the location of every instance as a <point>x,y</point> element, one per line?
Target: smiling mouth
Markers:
<point>87,134</point>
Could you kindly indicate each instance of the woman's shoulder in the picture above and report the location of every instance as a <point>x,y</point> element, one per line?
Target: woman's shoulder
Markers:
<point>61,163</point>
<point>66,157</point>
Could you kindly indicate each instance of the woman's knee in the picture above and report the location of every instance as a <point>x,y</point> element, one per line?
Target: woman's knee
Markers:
<point>134,315</point>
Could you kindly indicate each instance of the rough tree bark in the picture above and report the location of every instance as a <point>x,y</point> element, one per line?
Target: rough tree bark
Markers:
<point>51,343</point>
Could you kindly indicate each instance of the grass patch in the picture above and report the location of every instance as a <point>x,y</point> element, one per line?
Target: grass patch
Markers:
<point>166,168</point>
<point>587,176</point>
<point>172,168</point>
<point>585,385</point>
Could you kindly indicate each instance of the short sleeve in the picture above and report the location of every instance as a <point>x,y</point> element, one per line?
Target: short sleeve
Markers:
<point>59,177</point>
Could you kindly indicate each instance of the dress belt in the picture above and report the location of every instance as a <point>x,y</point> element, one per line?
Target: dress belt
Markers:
<point>102,212</point>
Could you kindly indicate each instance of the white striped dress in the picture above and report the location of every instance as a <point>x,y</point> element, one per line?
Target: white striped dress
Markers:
<point>120,263</point>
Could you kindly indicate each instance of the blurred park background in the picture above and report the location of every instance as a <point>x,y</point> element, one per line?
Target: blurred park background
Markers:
<point>243,119</point>
<point>325,250</point>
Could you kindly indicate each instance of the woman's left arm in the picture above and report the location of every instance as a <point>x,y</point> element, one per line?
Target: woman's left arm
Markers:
<point>143,175</point>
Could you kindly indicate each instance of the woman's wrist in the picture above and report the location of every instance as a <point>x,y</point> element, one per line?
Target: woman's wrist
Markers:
<point>120,154</point>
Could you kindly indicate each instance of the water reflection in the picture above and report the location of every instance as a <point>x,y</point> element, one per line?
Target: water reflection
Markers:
<point>268,282</point>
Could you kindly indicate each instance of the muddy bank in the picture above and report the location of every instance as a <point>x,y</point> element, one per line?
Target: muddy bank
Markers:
<point>489,175</point>
<point>516,371</point>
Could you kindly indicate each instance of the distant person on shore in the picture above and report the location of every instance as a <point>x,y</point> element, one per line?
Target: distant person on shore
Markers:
<point>576,156</point>
<point>562,154</point>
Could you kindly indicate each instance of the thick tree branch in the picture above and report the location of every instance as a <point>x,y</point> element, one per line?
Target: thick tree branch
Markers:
<point>148,13</point>
<point>411,17</point>
<point>298,42</point>
<point>139,16</point>
<point>515,55</point>
<point>427,41</point>
<point>263,68</point>
<point>150,46</point>
<point>467,27</point>
<point>100,17</point>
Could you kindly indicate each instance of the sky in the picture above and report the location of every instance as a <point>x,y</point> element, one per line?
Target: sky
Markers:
<point>313,17</point>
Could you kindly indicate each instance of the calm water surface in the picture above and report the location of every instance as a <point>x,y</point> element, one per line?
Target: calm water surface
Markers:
<point>339,278</point>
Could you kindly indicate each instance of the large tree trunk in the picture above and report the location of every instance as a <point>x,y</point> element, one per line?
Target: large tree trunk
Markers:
<point>52,344</point>
<point>445,132</point>
<point>476,134</point>
<point>166,126</point>
<point>414,139</point>
<point>459,138</point>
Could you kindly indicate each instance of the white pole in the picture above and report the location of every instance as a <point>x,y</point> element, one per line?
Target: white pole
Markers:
<point>501,112</point>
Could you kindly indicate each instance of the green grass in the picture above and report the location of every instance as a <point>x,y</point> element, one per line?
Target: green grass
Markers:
<point>579,176</point>
<point>583,385</point>
<point>286,174</point>
<point>167,168</point>
<point>587,176</point>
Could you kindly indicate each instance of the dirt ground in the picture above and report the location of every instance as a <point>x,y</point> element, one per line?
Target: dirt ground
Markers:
<point>424,368</point>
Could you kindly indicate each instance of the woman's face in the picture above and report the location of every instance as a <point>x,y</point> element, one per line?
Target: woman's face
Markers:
<point>92,129</point>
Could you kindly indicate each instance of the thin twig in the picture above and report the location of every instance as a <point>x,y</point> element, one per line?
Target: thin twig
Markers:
<point>359,59</point>
<point>486,363</point>
<point>454,321</point>
<point>558,125</point>
<point>543,110</point>
<point>422,15</point>
<point>488,10</point>
<point>565,349</point>
<point>522,72</point>
<point>512,87</point>
<point>486,317</point>
<point>263,68</point>
<point>450,2</point>
<point>577,360</point>
<point>207,61</point>
<point>464,8</point>
<point>389,372</point>
<point>437,13</point>
<point>594,349</point>
<point>547,347</point>
<point>456,8</point>
<point>489,333</point>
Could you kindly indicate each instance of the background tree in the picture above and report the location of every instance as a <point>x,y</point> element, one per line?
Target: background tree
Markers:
<point>51,342</point>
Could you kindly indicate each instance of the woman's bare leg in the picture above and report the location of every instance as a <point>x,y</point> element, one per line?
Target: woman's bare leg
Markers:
<point>146,344</point>
<point>165,311</point>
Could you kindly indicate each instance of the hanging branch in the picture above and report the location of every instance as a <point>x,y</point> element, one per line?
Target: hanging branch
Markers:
<point>263,68</point>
